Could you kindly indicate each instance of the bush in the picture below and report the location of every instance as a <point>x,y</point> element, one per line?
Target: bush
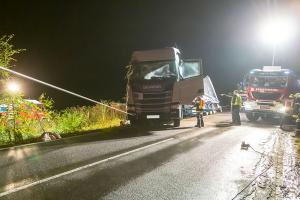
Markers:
<point>86,118</point>
<point>5,137</point>
<point>70,120</point>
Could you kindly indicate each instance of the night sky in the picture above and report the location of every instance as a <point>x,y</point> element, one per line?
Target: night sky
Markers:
<point>84,46</point>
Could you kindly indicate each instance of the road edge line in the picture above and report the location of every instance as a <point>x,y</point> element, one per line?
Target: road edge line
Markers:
<point>2,194</point>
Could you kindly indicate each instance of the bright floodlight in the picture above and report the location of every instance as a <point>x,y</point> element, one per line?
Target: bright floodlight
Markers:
<point>277,30</point>
<point>13,87</point>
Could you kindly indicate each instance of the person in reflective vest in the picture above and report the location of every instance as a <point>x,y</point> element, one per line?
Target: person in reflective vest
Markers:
<point>199,103</point>
<point>236,105</point>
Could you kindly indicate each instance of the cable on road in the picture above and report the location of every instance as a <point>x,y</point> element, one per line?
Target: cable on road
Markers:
<point>61,89</point>
<point>252,181</point>
<point>257,151</point>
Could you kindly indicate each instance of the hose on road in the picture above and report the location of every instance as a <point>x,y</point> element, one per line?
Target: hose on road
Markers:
<point>245,147</point>
<point>252,181</point>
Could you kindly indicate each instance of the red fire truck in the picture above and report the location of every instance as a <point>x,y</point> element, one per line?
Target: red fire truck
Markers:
<point>267,91</point>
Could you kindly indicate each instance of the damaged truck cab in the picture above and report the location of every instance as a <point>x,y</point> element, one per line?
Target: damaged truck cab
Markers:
<point>159,84</point>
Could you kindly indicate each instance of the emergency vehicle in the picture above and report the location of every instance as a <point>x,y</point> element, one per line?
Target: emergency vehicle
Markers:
<point>267,92</point>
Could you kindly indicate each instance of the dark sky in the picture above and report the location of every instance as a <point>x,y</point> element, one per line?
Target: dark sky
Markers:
<point>83,46</point>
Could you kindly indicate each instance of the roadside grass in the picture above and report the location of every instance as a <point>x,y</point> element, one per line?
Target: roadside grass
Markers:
<point>68,122</point>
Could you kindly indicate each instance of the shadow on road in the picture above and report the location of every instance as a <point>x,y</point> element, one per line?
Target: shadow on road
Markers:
<point>264,123</point>
<point>97,184</point>
<point>112,133</point>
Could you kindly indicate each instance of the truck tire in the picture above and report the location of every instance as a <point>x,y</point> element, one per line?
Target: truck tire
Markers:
<point>252,117</point>
<point>268,118</point>
<point>287,124</point>
<point>133,122</point>
<point>176,122</point>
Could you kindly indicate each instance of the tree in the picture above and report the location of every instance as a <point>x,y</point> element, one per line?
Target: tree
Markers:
<point>7,53</point>
<point>7,59</point>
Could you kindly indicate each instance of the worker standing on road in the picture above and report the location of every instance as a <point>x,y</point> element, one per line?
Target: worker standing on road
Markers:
<point>236,104</point>
<point>199,103</point>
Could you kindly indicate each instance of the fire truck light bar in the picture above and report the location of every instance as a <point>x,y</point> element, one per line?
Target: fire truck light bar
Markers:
<point>271,68</point>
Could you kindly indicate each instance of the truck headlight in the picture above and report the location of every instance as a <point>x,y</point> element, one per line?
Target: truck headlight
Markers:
<point>282,109</point>
<point>248,106</point>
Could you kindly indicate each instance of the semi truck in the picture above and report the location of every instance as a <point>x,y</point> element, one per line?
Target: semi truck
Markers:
<point>267,92</point>
<point>159,84</point>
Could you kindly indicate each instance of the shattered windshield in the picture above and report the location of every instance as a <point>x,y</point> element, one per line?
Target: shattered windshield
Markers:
<point>268,82</point>
<point>153,70</point>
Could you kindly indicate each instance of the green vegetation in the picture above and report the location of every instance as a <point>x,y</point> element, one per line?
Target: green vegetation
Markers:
<point>23,121</point>
<point>65,122</point>
<point>86,118</point>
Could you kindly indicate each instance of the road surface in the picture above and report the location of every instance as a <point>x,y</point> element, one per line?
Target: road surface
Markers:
<point>182,163</point>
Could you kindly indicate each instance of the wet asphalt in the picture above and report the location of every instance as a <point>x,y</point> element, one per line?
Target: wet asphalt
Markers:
<point>160,163</point>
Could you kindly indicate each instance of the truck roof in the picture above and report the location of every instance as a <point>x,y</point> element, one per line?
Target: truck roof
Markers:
<point>168,53</point>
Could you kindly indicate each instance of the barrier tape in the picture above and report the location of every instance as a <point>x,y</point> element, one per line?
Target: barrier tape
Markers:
<point>61,89</point>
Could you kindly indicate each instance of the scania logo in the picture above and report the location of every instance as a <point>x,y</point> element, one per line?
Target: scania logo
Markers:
<point>151,87</point>
<point>264,90</point>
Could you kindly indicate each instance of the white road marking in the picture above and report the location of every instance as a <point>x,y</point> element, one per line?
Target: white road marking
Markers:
<point>81,168</point>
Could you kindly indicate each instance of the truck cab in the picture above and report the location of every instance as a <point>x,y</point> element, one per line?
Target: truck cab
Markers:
<point>267,92</point>
<point>159,84</point>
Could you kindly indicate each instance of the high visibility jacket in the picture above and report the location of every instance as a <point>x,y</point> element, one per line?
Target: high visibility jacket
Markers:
<point>199,104</point>
<point>236,100</point>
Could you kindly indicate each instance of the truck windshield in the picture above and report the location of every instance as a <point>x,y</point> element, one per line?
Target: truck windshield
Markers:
<point>153,70</point>
<point>268,81</point>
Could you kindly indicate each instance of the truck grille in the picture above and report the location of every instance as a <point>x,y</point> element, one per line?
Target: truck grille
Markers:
<point>266,96</point>
<point>152,102</point>
<point>265,103</point>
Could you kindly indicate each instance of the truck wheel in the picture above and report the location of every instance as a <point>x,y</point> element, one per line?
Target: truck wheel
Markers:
<point>176,122</point>
<point>134,121</point>
<point>252,117</point>
<point>267,118</point>
<point>287,124</point>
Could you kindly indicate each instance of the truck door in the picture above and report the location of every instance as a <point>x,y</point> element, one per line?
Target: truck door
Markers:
<point>191,81</point>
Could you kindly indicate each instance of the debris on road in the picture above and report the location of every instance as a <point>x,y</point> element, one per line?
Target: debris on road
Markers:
<point>49,136</point>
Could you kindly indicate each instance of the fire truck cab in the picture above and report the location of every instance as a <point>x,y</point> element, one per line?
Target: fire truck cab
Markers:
<point>267,91</point>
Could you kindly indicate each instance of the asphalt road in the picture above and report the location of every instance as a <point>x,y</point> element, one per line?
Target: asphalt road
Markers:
<point>131,163</point>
